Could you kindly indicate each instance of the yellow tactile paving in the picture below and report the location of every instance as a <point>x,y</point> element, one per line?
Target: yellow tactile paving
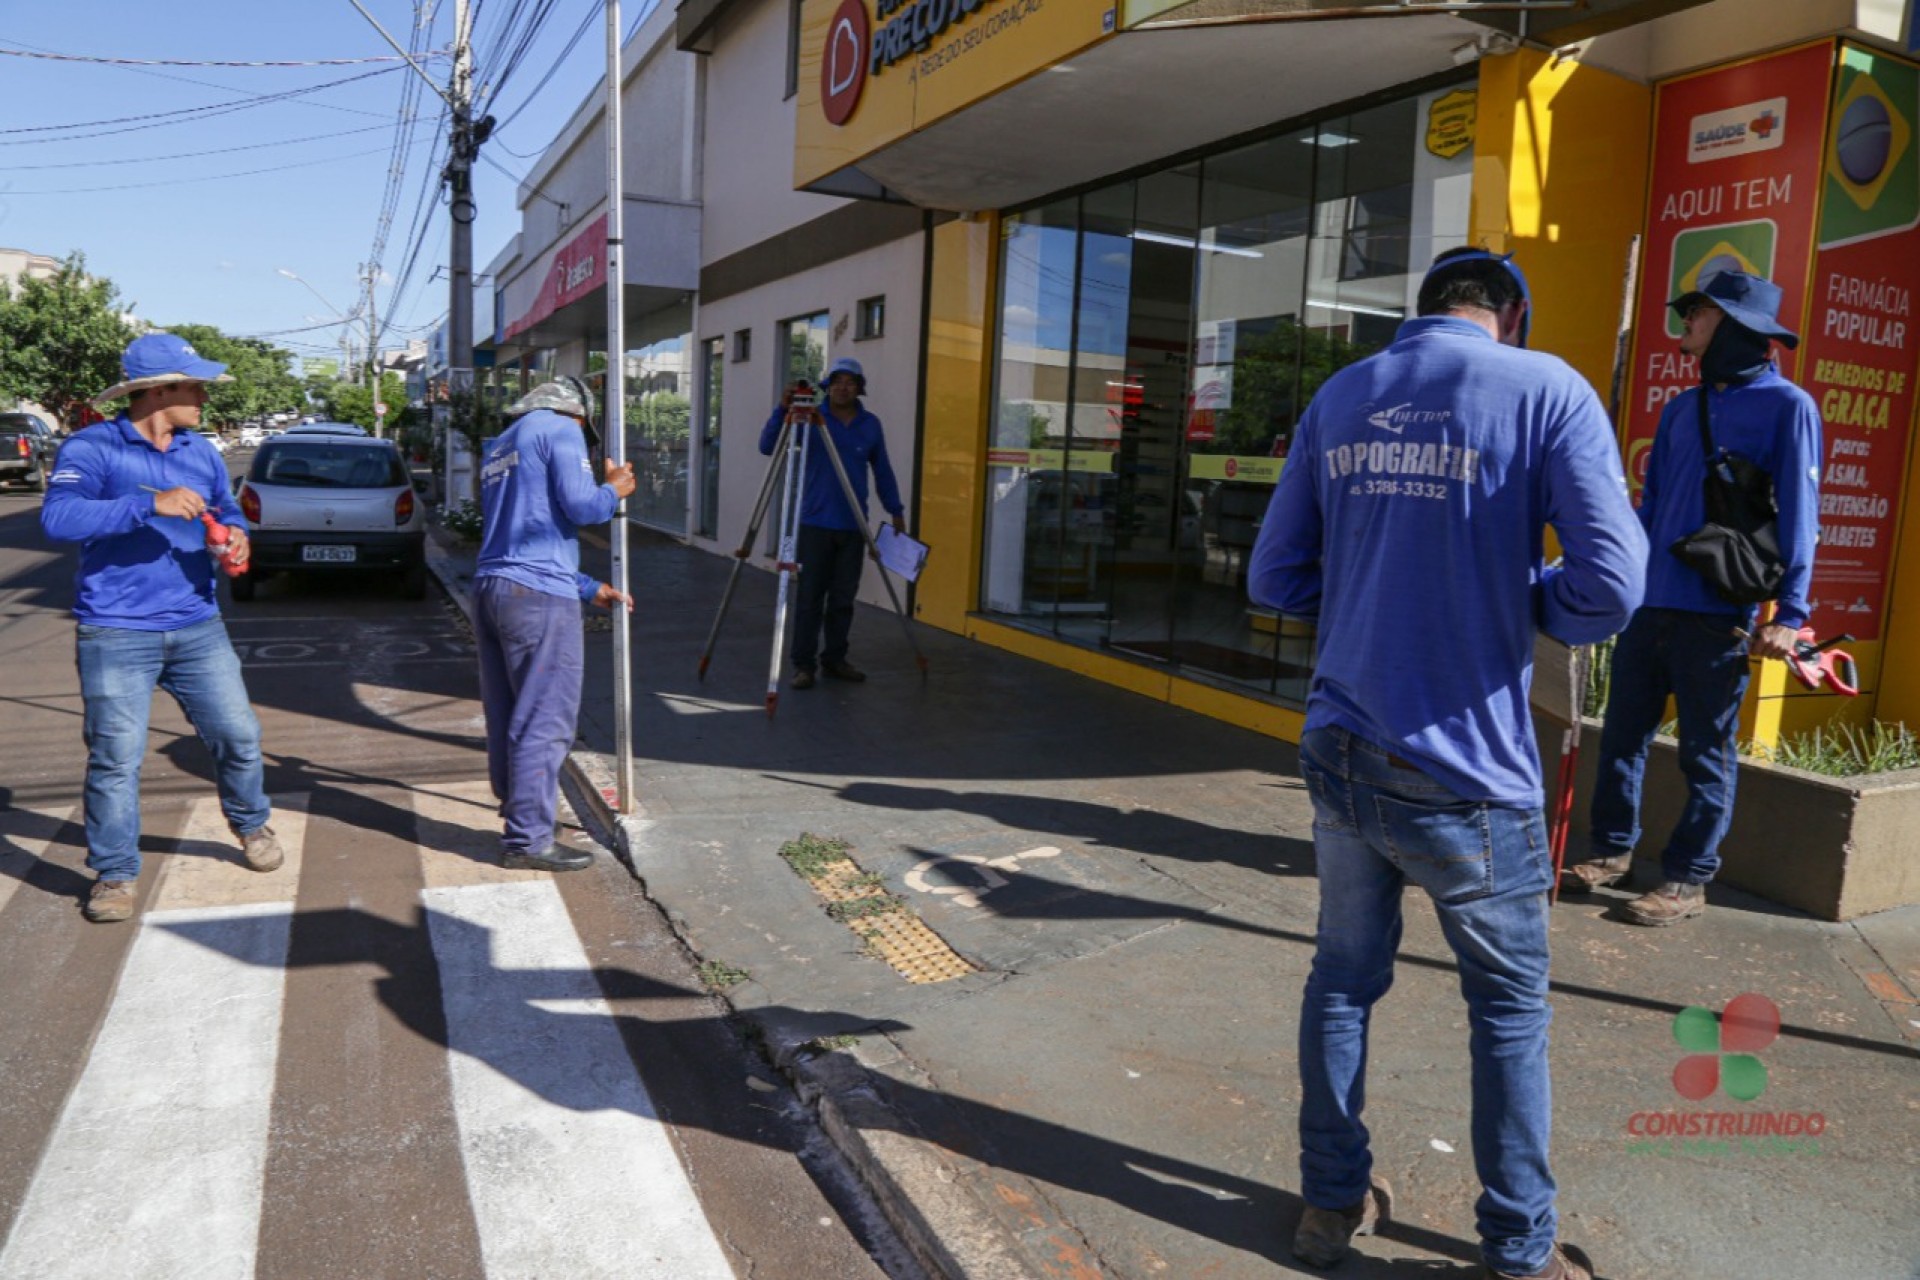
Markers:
<point>893,934</point>
<point>206,870</point>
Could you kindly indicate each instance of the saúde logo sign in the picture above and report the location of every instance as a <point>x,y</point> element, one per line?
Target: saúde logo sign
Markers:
<point>843,68</point>
<point>1722,1057</point>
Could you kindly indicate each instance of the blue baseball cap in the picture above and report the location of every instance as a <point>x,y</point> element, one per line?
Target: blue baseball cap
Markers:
<point>1748,300</point>
<point>849,366</point>
<point>156,359</point>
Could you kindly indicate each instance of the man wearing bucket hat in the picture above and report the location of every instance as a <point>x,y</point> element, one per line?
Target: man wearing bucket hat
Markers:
<point>536,489</point>
<point>1686,642</point>
<point>131,491</point>
<point>832,551</point>
<point>1416,495</point>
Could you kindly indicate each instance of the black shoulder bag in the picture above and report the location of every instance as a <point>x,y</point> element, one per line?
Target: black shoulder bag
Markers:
<point>1737,550</point>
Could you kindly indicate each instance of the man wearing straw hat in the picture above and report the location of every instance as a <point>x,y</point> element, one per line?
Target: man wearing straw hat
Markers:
<point>131,491</point>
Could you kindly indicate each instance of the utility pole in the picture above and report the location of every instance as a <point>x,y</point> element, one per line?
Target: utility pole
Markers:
<point>460,179</point>
<point>373,354</point>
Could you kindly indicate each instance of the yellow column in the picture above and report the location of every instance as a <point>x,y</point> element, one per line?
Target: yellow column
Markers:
<point>953,441</point>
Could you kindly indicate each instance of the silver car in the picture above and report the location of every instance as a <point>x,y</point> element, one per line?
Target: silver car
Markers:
<point>324,502</point>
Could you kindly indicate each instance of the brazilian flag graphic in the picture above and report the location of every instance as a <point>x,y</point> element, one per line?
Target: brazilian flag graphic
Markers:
<point>1703,252</point>
<point>1873,174</point>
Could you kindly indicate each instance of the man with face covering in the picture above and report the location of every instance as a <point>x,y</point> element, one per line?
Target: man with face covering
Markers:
<point>1685,642</point>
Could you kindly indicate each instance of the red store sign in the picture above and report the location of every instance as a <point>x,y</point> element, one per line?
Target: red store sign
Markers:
<point>578,269</point>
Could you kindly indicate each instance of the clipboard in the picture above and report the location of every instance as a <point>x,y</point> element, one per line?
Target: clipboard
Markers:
<point>904,555</point>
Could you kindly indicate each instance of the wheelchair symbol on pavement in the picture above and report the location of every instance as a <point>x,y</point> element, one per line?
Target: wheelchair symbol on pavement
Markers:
<point>988,869</point>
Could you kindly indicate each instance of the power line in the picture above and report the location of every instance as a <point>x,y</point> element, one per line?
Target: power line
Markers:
<point>43,55</point>
<point>196,155</point>
<point>174,182</point>
<point>181,114</point>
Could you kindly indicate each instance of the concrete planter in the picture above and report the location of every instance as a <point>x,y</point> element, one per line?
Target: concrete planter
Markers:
<point>1833,847</point>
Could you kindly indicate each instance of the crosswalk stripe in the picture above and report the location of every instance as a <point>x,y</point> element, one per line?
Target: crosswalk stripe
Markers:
<point>555,1125</point>
<point>24,837</point>
<point>206,869</point>
<point>154,1169</point>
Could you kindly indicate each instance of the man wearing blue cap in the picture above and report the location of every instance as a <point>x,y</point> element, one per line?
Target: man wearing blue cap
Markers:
<point>831,547</point>
<point>1414,500</point>
<point>131,491</point>
<point>1686,642</point>
<point>536,488</point>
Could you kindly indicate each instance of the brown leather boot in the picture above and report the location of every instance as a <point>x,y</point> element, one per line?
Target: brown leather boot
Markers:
<point>1597,873</point>
<point>1567,1263</point>
<point>1324,1235</point>
<point>1669,904</point>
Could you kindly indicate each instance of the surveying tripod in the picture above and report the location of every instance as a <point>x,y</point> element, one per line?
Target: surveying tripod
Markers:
<point>788,467</point>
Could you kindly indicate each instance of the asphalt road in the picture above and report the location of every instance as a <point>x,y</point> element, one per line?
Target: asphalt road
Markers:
<point>389,1058</point>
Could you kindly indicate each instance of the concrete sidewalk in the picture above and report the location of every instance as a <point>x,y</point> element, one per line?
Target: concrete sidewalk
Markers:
<point>1109,1087</point>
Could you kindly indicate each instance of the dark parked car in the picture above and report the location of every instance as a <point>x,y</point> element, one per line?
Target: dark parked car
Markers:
<point>27,446</point>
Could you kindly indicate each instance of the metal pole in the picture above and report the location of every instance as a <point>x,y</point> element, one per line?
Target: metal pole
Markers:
<point>615,415</point>
<point>461,208</point>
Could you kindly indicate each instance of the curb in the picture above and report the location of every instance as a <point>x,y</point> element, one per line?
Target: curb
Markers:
<point>932,1203</point>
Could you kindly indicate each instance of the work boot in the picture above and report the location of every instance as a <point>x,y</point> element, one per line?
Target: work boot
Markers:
<point>802,679</point>
<point>1671,903</point>
<point>1585,877</point>
<point>1567,1263</point>
<point>109,900</point>
<point>1323,1236</point>
<point>261,849</point>
<point>843,671</point>
<point>552,858</point>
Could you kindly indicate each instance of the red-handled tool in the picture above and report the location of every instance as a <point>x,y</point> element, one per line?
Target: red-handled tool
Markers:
<point>1815,663</point>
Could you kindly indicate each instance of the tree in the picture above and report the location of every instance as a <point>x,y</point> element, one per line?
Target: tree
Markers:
<point>63,337</point>
<point>353,402</point>
<point>262,373</point>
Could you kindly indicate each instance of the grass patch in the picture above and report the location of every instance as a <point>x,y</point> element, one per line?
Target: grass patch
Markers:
<point>824,1044</point>
<point>1843,751</point>
<point>718,976</point>
<point>876,904</point>
<point>813,856</point>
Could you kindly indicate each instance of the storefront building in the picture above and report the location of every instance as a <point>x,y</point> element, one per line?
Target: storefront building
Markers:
<point>1171,222</point>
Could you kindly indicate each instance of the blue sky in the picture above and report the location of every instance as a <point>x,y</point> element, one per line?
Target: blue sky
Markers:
<point>176,209</point>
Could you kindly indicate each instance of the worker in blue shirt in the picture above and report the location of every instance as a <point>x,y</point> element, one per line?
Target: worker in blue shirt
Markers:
<point>1686,642</point>
<point>536,489</point>
<point>832,548</point>
<point>131,491</point>
<point>1413,504</point>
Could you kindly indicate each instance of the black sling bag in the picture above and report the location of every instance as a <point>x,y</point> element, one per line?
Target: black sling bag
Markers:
<point>1737,550</point>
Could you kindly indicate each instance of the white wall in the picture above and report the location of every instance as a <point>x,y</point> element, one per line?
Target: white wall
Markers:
<point>749,388</point>
<point>749,137</point>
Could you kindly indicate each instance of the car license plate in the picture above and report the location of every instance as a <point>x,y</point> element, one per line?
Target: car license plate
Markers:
<point>328,555</point>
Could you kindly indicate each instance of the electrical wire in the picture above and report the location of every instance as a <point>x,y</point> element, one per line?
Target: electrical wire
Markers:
<point>196,155</point>
<point>193,62</point>
<point>181,114</point>
<point>174,182</point>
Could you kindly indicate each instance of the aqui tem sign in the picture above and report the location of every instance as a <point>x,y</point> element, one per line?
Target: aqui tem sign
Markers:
<point>843,68</point>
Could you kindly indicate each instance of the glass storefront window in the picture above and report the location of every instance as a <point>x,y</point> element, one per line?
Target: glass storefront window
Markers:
<point>803,350</point>
<point>659,420</point>
<point>713,365</point>
<point>1159,339</point>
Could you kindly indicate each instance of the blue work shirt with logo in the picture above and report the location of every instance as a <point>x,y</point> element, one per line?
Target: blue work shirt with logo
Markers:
<point>536,490</point>
<point>861,444</point>
<point>139,570</point>
<point>1409,519</point>
<point>1772,424</point>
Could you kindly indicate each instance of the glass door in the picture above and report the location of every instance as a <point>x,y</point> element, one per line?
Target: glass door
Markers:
<point>712,371</point>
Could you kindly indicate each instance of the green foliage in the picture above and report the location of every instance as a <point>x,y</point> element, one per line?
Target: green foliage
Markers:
<point>262,374</point>
<point>813,856</point>
<point>1599,678</point>
<point>1843,751</point>
<point>662,416</point>
<point>718,976</point>
<point>1275,374</point>
<point>353,401</point>
<point>848,910</point>
<point>62,337</point>
<point>465,520</point>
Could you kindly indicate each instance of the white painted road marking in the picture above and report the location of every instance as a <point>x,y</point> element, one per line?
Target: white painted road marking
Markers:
<point>155,1167</point>
<point>569,1169</point>
<point>988,869</point>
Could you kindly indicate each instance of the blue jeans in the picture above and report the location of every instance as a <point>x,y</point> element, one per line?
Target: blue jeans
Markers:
<point>1377,825</point>
<point>119,670</point>
<point>532,657</point>
<point>1697,660</point>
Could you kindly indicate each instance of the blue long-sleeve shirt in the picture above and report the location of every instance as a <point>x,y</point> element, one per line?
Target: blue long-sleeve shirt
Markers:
<point>1769,422</point>
<point>138,569</point>
<point>862,444</point>
<point>536,490</point>
<point>1409,520</point>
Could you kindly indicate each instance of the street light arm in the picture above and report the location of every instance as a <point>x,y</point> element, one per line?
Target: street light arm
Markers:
<point>438,91</point>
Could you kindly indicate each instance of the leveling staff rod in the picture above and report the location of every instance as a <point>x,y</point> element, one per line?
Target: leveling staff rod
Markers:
<point>789,467</point>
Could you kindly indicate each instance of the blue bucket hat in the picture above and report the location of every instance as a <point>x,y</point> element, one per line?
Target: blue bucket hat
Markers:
<point>849,366</point>
<point>156,359</point>
<point>1748,300</point>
